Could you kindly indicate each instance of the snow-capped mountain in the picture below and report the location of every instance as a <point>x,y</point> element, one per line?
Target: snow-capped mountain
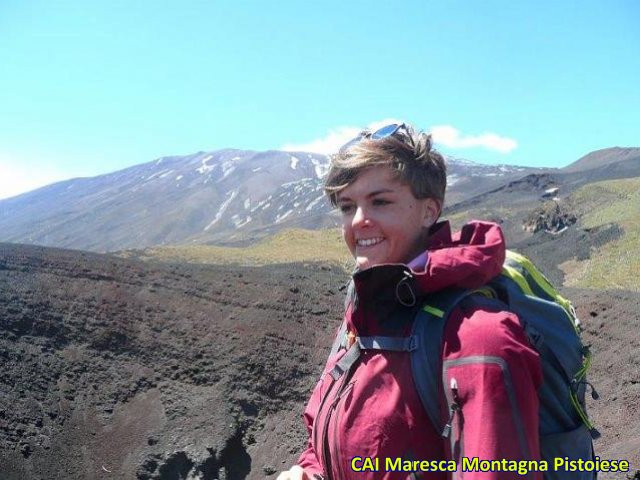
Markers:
<point>209,197</point>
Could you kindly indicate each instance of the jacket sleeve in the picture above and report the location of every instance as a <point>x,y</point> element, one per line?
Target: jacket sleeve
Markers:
<point>491,375</point>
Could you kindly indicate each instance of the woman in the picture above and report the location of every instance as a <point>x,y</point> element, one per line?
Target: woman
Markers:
<point>389,186</point>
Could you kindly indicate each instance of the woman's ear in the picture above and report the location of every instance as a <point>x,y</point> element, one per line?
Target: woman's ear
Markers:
<point>431,212</point>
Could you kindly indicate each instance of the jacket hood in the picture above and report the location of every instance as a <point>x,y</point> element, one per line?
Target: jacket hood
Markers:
<point>467,259</point>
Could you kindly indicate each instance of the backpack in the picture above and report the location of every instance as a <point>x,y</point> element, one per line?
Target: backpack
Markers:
<point>550,323</point>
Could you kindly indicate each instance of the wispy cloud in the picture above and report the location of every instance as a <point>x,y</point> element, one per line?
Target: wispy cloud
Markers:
<point>18,177</point>
<point>331,142</point>
<point>444,135</point>
<point>451,137</point>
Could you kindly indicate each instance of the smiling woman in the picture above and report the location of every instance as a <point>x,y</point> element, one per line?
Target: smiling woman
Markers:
<point>389,186</point>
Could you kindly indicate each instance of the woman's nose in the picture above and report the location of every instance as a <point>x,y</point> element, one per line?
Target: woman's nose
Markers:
<point>361,217</point>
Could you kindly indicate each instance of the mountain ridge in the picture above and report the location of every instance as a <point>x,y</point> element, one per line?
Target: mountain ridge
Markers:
<point>602,158</point>
<point>206,197</point>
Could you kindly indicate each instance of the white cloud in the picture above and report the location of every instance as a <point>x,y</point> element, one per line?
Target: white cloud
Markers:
<point>335,138</point>
<point>451,137</point>
<point>445,135</point>
<point>18,177</point>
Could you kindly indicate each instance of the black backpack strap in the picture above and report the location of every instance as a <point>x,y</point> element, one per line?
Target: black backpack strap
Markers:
<point>391,344</point>
<point>346,362</point>
<point>340,341</point>
<point>426,359</point>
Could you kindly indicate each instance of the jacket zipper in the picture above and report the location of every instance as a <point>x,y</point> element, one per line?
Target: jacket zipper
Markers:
<point>452,428</point>
<point>454,407</point>
<point>326,447</point>
<point>326,451</point>
<point>336,423</point>
<point>316,430</point>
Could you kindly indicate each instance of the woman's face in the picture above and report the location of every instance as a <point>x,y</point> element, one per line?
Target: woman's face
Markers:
<point>382,222</point>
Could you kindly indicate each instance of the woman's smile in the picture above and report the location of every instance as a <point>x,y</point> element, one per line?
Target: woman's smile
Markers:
<point>370,242</point>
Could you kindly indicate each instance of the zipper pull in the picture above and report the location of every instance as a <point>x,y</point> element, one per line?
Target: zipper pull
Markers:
<point>453,408</point>
<point>594,394</point>
<point>575,385</point>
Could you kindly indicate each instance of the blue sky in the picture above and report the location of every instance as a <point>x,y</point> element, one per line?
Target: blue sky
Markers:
<point>90,87</point>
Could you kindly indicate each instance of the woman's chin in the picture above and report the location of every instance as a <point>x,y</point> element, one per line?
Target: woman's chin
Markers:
<point>364,262</point>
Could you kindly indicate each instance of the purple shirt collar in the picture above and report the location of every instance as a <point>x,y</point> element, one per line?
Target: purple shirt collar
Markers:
<point>418,263</point>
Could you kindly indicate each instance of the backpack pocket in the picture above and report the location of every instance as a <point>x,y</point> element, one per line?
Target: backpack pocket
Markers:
<point>560,449</point>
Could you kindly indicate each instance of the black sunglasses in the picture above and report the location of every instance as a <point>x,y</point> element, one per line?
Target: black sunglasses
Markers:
<point>383,132</point>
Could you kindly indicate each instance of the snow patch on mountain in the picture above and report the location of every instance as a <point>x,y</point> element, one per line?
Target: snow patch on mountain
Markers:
<point>314,202</point>
<point>321,168</point>
<point>460,161</point>
<point>239,222</point>
<point>294,162</point>
<point>227,170</point>
<point>205,167</point>
<point>223,207</point>
<point>159,174</point>
<point>296,182</point>
<point>228,167</point>
<point>281,217</point>
<point>452,179</point>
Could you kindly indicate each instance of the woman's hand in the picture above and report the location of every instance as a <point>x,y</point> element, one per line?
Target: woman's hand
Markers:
<point>295,473</point>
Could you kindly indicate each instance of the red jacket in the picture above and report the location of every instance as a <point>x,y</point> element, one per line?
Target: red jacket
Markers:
<point>375,411</point>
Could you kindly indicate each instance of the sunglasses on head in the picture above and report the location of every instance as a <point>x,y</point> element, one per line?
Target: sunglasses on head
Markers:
<point>379,134</point>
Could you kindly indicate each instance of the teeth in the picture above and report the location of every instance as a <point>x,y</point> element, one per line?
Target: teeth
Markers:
<point>369,241</point>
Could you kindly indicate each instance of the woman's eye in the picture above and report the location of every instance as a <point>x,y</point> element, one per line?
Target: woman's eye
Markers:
<point>381,201</point>
<point>346,208</point>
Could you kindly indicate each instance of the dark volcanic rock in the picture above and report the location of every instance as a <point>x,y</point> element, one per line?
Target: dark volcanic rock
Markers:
<point>611,321</point>
<point>551,217</point>
<point>117,367</point>
<point>114,368</point>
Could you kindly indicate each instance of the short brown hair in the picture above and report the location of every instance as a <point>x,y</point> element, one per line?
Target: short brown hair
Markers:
<point>407,153</point>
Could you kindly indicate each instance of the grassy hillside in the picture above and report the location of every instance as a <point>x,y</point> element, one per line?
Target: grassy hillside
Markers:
<point>616,264</point>
<point>596,205</point>
<point>295,245</point>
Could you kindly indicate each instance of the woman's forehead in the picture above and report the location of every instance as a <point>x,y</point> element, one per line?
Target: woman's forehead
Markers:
<point>373,181</point>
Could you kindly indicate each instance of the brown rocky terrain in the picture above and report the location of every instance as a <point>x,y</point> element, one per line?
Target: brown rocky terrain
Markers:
<point>115,368</point>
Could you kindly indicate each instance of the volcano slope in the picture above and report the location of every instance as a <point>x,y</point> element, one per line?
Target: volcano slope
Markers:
<point>115,368</point>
